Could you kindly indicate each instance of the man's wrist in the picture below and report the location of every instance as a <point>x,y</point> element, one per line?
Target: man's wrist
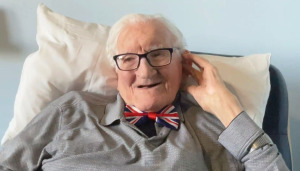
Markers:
<point>229,112</point>
<point>239,136</point>
<point>261,141</point>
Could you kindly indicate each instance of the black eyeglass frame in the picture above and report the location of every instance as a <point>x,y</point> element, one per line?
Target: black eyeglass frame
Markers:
<point>171,50</point>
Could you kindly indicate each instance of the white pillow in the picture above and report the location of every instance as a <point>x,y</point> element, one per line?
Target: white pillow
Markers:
<point>71,56</point>
<point>248,78</point>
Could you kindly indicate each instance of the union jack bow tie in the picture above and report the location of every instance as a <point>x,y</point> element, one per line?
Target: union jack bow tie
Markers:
<point>167,116</point>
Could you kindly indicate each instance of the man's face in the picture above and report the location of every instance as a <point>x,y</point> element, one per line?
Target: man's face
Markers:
<point>148,88</point>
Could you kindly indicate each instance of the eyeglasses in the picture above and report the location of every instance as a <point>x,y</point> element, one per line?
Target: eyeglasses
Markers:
<point>155,58</point>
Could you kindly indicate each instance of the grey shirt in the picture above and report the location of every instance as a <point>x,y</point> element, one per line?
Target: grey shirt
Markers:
<point>81,131</point>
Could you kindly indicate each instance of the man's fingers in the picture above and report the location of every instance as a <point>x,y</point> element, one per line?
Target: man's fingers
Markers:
<point>200,62</point>
<point>197,75</point>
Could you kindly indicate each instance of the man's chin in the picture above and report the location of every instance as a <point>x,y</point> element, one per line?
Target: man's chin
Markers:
<point>151,104</point>
<point>148,107</point>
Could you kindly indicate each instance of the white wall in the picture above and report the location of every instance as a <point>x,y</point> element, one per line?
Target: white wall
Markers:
<point>218,26</point>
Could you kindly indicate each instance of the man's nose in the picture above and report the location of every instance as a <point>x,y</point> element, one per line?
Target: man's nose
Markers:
<point>145,70</point>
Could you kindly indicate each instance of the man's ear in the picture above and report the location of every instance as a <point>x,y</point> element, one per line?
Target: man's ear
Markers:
<point>184,60</point>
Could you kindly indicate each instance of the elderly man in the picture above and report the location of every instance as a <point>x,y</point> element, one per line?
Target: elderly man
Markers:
<point>151,125</point>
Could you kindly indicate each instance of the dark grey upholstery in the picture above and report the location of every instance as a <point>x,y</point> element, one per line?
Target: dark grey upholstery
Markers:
<point>275,122</point>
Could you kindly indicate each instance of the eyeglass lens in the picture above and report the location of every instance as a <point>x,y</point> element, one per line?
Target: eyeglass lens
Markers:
<point>156,58</point>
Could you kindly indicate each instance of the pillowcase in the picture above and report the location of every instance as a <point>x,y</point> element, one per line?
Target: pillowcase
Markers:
<point>248,78</point>
<point>71,56</point>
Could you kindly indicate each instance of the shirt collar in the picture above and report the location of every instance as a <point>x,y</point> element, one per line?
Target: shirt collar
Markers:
<point>115,111</point>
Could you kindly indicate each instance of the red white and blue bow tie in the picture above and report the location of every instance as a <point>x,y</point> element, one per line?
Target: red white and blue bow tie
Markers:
<point>167,116</point>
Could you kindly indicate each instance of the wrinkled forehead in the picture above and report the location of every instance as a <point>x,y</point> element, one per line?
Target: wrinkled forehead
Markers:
<point>144,36</point>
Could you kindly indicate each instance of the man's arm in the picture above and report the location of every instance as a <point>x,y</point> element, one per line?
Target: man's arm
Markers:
<point>238,139</point>
<point>210,93</point>
<point>27,150</point>
<point>241,132</point>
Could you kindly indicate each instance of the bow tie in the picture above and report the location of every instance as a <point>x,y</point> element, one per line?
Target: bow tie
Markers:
<point>167,116</point>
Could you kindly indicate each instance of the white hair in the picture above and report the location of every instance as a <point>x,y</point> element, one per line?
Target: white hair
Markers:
<point>112,40</point>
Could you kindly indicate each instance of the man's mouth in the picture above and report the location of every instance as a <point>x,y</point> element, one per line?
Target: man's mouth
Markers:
<point>148,86</point>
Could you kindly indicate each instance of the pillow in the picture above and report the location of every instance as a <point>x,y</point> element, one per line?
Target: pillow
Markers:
<point>71,56</point>
<point>248,78</point>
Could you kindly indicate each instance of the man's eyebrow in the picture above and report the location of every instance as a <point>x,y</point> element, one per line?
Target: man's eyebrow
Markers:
<point>154,47</point>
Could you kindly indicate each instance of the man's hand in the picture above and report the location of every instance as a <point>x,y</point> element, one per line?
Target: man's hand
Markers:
<point>211,92</point>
